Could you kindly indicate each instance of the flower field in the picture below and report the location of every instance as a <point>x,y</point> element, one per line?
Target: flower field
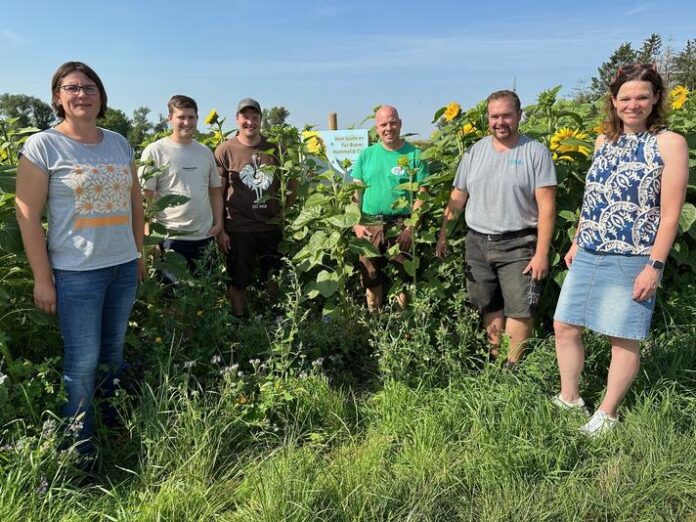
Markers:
<point>313,409</point>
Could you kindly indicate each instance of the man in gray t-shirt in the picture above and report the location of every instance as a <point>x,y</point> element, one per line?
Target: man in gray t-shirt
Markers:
<point>506,184</point>
<point>187,169</point>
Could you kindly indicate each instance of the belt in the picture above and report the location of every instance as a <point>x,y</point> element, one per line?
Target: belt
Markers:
<point>386,218</point>
<point>505,235</point>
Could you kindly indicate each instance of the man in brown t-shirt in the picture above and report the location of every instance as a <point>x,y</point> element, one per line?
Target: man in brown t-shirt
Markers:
<point>247,164</point>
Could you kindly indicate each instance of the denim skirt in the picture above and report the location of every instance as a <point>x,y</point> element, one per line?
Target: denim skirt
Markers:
<point>598,294</point>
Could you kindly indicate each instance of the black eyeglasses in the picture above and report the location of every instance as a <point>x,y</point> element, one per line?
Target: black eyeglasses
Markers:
<point>74,90</point>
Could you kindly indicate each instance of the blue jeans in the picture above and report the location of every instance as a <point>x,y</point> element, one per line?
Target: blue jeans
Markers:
<point>93,311</point>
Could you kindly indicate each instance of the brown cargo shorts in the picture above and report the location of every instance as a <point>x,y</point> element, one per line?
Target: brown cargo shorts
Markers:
<point>383,237</point>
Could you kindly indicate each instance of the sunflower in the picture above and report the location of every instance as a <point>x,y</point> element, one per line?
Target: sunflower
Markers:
<point>211,118</point>
<point>467,129</point>
<point>314,143</point>
<point>678,96</point>
<point>561,149</point>
<point>452,111</point>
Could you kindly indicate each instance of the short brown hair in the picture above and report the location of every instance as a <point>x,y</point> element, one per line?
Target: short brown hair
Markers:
<point>71,67</point>
<point>512,95</point>
<point>179,101</point>
<point>644,72</point>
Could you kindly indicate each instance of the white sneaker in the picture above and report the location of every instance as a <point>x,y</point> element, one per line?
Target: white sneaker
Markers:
<point>599,424</point>
<point>578,404</point>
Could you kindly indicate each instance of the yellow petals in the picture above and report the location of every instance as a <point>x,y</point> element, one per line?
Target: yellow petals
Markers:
<point>452,111</point>
<point>212,117</point>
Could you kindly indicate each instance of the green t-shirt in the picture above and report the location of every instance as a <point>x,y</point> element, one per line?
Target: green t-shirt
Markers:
<point>380,172</point>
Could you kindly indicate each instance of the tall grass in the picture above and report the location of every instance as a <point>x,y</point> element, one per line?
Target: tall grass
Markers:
<point>429,432</point>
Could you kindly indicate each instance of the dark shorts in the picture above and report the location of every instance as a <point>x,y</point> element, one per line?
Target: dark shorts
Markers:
<point>191,250</point>
<point>383,238</point>
<point>249,249</point>
<point>494,278</point>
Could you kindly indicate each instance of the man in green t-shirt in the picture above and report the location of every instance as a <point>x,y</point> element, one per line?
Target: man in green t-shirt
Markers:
<point>381,168</point>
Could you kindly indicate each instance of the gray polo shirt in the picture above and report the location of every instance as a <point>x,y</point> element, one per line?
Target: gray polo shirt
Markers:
<point>501,185</point>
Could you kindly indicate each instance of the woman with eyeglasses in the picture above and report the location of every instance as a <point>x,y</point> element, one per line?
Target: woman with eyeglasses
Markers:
<point>86,268</point>
<point>634,192</point>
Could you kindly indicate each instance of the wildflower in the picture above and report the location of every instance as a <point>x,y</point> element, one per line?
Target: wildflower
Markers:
<point>402,161</point>
<point>158,340</point>
<point>75,426</point>
<point>254,362</point>
<point>235,367</point>
<point>316,364</point>
<point>452,111</point>
<point>199,313</point>
<point>189,364</point>
<point>303,375</point>
<point>117,381</point>
<point>48,427</point>
<point>43,486</point>
<point>560,149</point>
<point>467,129</point>
<point>678,96</point>
<point>216,359</point>
<point>212,117</point>
<point>3,378</point>
<point>242,400</point>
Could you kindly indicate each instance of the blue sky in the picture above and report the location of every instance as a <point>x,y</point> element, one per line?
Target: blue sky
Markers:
<point>316,57</point>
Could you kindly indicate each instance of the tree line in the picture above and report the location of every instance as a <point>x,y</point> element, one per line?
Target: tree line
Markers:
<point>676,67</point>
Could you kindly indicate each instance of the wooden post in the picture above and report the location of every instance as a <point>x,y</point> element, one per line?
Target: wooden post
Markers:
<point>333,121</point>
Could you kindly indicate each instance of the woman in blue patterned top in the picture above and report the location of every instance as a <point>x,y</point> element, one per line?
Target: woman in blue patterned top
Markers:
<point>634,193</point>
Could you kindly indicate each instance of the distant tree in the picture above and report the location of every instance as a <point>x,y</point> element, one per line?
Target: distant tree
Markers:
<point>623,55</point>
<point>651,50</point>
<point>161,125</point>
<point>117,121</point>
<point>684,66</point>
<point>140,126</point>
<point>274,116</point>
<point>31,111</point>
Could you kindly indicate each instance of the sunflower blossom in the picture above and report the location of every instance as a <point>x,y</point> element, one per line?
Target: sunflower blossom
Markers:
<point>314,143</point>
<point>212,117</point>
<point>467,129</point>
<point>452,111</point>
<point>678,96</point>
<point>560,149</point>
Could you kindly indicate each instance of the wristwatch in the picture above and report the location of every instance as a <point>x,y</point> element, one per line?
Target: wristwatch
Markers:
<point>657,265</point>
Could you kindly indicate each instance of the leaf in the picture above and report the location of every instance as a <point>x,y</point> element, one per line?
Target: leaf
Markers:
<point>349,218</point>
<point>170,200</point>
<point>363,247</point>
<point>438,114</point>
<point>316,199</point>
<point>409,186</point>
<point>687,217</point>
<point>578,119</point>
<point>327,283</point>
<point>568,215</point>
<point>307,215</point>
<point>560,277</point>
<point>411,266</point>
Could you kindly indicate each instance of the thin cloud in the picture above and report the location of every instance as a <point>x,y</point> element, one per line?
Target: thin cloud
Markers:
<point>11,38</point>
